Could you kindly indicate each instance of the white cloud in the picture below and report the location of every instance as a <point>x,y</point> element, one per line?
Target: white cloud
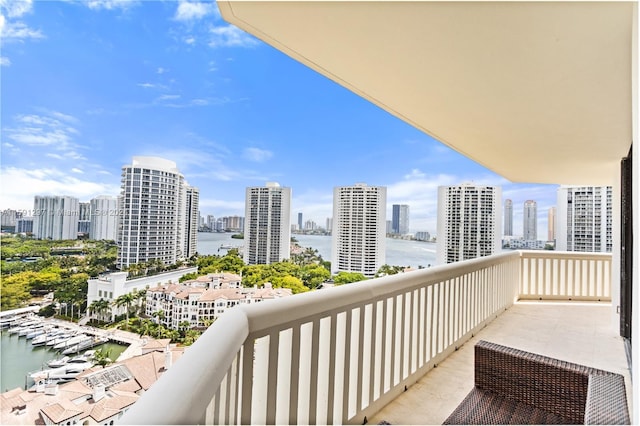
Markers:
<point>50,130</point>
<point>167,97</point>
<point>26,183</point>
<point>16,8</point>
<point>189,11</point>
<point>110,4</point>
<point>77,170</point>
<point>230,36</point>
<point>17,31</point>
<point>161,70</point>
<point>256,154</point>
<point>4,61</point>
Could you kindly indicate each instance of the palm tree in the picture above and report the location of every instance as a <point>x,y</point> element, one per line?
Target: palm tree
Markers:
<point>102,306</point>
<point>125,300</point>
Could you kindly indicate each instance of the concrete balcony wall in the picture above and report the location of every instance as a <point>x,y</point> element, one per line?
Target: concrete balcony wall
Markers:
<point>341,355</point>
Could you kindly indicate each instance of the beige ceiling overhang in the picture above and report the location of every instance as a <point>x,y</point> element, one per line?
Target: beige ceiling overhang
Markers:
<point>535,91</point>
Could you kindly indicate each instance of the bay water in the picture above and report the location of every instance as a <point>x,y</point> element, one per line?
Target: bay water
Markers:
<point>398,252</point>
<point>18,357</point>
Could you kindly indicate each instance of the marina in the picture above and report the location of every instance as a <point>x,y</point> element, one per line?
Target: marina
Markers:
<point>35,348</point>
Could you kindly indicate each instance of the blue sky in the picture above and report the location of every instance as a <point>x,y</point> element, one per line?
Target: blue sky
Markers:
<point>87,85</point>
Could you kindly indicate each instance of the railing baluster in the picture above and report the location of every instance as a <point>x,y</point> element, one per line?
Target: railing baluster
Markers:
<point>347,368</point>
<point>313,386</point>
<point>272,377</point>
<point>248,351</point>
<point>294,378</point>
<point>383,348</point>
<point>332,368</point>
<point>372,351</point>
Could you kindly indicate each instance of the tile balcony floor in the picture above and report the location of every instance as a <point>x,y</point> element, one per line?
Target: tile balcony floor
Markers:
<point>577,332</point>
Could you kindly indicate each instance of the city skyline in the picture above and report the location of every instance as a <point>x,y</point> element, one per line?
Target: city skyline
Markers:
<point>172,80</point>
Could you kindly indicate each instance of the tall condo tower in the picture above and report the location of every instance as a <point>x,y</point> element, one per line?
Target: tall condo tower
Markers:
<point>267,225</point>
<point>359,229</point>
<point>584,221</point>
<point>104,218</point>
<point>84,218</point>
<point>192,219</point>
<point>551,224</point>
<point>300,221</point>
<point>400,219</point>
<point>55,217</point>
<point>508,217</point>
<point>468,222</point>
<point>530,221</point>
<point>153,212</point>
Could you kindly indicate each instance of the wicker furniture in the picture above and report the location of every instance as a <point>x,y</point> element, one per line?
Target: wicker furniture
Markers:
<point>518,387</point>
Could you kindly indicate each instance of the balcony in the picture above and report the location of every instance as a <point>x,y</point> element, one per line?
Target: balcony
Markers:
<point>397,348</point>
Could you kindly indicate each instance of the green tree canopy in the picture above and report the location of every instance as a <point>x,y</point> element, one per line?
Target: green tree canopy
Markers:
<point>348,277</point>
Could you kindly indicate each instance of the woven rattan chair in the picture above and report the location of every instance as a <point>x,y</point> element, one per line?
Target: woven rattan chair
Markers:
<point>518,387</point>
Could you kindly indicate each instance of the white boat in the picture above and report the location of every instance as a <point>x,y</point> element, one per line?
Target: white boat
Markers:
<point>78,364</point>
<point>57,363</point>
<point>40,340</point>
<point>86,343</point>
<point>29,329</point>
<point>37,332</point>
<point>59,339</point>
<point>63,334</point>
<point>70,342</point>
<point>44,338</point>
<point>22,326</point>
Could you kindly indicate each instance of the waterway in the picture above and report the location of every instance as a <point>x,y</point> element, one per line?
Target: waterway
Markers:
<point>19,357</point>
<point>398,252</point>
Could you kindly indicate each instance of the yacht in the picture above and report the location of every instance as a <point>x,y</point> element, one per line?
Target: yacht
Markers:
<point>70,342</point>
<point>59,362</point>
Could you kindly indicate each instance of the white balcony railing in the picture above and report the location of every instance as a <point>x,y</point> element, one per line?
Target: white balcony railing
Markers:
<point>340,355</point>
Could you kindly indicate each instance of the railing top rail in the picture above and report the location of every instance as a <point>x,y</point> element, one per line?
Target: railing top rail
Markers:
<point>265,316</point>
<point>552,254</point>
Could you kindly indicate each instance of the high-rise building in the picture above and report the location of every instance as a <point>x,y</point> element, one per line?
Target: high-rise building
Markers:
<point>530,221</point>
<point>551,224</point>
<point>329,224</point>
<point>24,225</point>
<point>400,219</point>
<point>9,217</point>
<point>211,222</point>
<point>84,219</point>
<point>153,212</point>
<point>359,229</point>
<point>55,217</point>
<point>508,217</point>
<point>233,223</point>
<point>267,227</point>
<point>192,219</point>
<point>584,218</point>
<point>104,218</point>
<point>300,221</point>
<point>469,222</point>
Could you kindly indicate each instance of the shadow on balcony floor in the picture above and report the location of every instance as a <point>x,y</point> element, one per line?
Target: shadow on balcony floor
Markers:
<point>583,333</point>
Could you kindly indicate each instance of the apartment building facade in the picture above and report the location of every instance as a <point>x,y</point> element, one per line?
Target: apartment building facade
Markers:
<point>530,221</point>
<point>584,221</point>
<point>153,212</point>
<point>468,222</point>
<point>400,219</point>
<point>55,217</point>
<point>359,229</point>
<point>267,227</point>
